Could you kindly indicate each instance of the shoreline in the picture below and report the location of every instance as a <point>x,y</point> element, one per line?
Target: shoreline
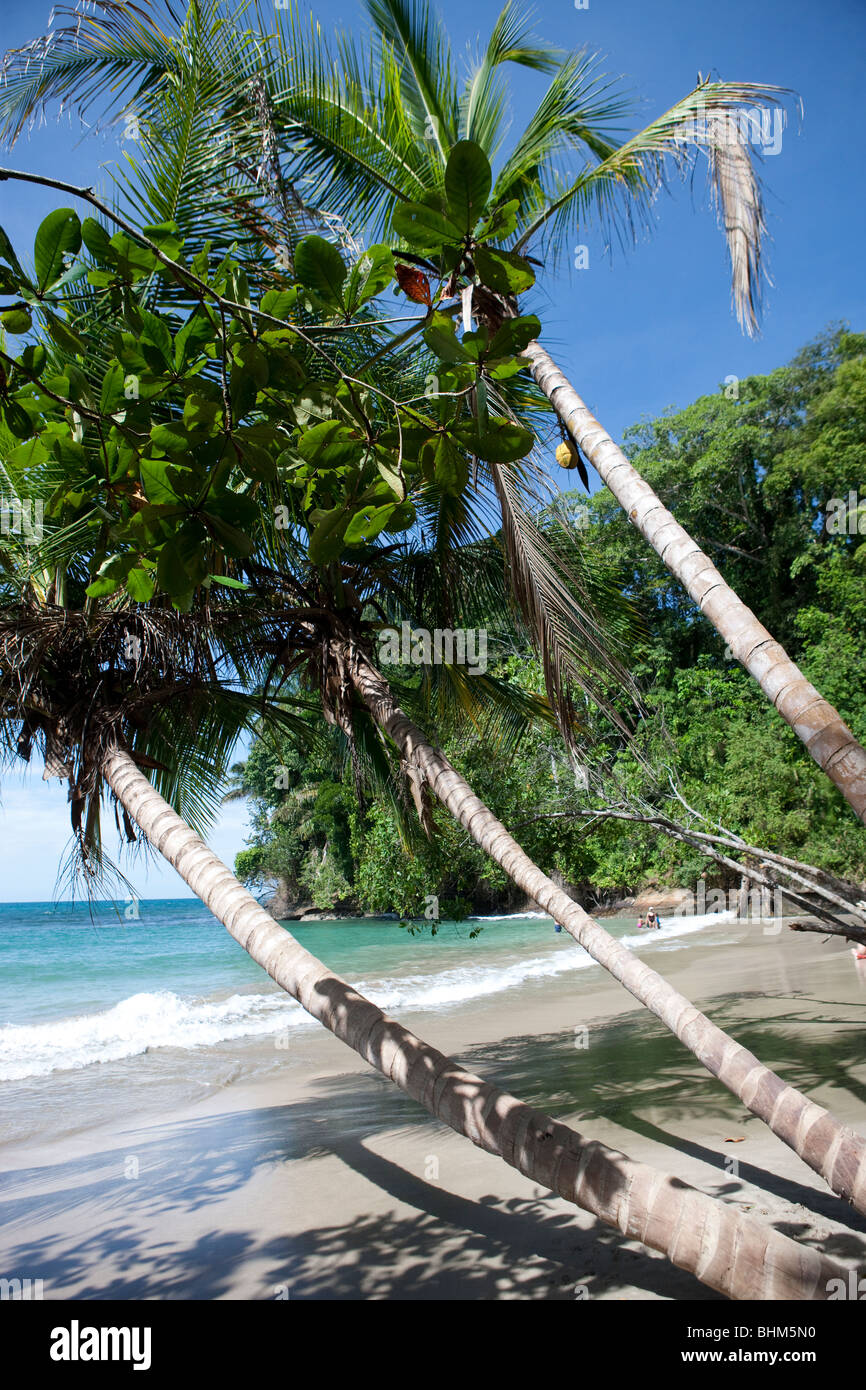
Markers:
<point>320,1179</point>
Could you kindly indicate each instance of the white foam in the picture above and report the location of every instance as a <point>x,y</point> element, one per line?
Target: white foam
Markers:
<point>163,1019</point>
<point>513,917</point>
<point>136,1025</point>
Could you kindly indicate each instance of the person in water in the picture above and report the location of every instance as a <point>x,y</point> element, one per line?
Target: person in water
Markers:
<point>640,924</point>
<point>652,920</point>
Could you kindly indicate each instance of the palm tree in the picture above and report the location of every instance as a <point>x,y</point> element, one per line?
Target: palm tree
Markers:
<point>340,647</point>
<point>724,1248</point>
<point>104,688</point>
<point>323,629</point>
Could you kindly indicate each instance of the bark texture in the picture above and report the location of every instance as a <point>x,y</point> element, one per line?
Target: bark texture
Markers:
<point>831,1148</point>
<point>815,721</point>
<point>726,1249</point>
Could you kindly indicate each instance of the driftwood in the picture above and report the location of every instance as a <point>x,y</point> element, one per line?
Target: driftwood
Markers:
<point>838,904</point>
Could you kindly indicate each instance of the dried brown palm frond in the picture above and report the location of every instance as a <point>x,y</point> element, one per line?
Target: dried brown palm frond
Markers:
<point>174,689</point>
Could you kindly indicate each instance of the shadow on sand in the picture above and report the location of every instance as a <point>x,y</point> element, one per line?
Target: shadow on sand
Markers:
<point>632,1072</point>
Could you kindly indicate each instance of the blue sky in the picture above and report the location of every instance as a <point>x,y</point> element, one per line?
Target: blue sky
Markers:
<point>638,331</point>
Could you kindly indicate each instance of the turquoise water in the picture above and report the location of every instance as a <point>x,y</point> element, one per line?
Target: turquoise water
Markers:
<point>82,988</point>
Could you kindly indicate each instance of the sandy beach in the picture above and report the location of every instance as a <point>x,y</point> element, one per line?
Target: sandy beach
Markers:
<point>308,1176</point>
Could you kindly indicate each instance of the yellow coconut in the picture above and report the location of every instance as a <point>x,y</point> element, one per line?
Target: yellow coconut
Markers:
<point>566,455</point>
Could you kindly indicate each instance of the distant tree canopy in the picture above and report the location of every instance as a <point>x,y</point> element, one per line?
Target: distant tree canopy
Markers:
<point>767,475</point>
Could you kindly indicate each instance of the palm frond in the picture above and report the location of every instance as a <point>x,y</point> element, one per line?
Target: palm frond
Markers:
<point>483,101</point>
<point>578,112</point>
<point>578,626</point>
<point>621,188</point>
<point>107,50</point>
<point>423,57</point>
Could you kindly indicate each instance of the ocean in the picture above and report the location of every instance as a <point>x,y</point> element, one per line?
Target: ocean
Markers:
<point>96,1007</point>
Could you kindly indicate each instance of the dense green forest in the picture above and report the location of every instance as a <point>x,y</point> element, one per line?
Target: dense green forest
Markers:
<point>766,474</point>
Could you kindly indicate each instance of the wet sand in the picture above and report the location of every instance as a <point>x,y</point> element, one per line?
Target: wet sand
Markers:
<point>317,1179</point>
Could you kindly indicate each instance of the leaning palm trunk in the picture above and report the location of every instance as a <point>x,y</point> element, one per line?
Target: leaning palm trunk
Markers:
<point>815,721</point>
<point>832,1149</point>
<point>725,1249</point>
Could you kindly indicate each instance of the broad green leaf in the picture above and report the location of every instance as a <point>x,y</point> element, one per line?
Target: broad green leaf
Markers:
<point>369,276</point>
<point>468,181</point>
<point>29,455</point>
<point>101,279</point>
<point>253,360</point>
<point>319,266</point>
<point>16,321</point>
<point>160,481</point>
<point>235,542</point>
<point>64,336</point>
<point>503,442</point>
<point>141,585</point>
<point>191,337</point>
<point>424,227</point>
<point>514,335</point>
<point>202,414</point>
<point>172,437</point>
<point>156,332</point>
<point>367,523</point>
<point>505,367</point>
<point>110,576</point>
<point>392,478</point>
<point>98,241</point>
<point>8,281</point>
<point>503,271</point>
<point>234,506</point>
<point>354,403</point>
<point>278,303</point>
<point>412,438</point>
<point>481,405</point>
<point>331,444</point>
<point>165,235</point>
<point>314,405</point>
<point>475,343</point>
<point>442,338</point>
<point>70,452</point>
<point>79,386</point>
<point>501,223</point>
<point>402,517</point>
<point>227,581</point>
<point>59,235</point>
<point>326,536</point>
<point>171,572</point>
<point>442,461</point>
<point>191,541</point>
<point>133,259</point>
<point>285,372</point>
<point>256,462</point>
<point>16,419</point>
<point>112,388</point>
<point>34,359</point>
